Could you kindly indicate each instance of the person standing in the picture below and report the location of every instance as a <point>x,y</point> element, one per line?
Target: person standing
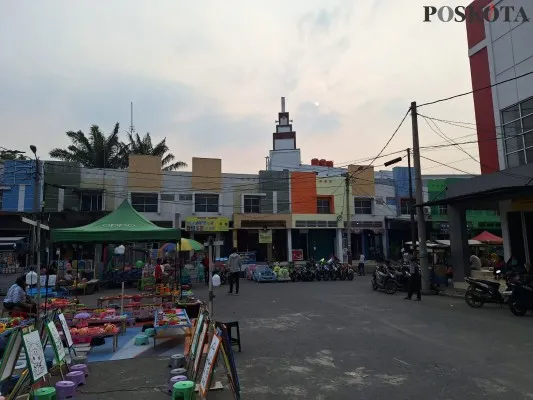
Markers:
<point>158,272</point>
<point>31,278</point>
<point>415,285</point>
<point>207,272</point>
<point>362,265</point>
<point>234,264</point>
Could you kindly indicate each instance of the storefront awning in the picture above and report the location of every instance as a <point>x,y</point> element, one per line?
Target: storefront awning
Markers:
<point>510,184</point>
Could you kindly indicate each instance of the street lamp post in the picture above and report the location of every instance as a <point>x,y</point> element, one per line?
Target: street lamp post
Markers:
<point>411,197</point>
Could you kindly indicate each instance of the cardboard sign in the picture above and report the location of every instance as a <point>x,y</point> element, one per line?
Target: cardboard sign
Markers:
<point>229,361</point>
<point>209,365</point>
<point>197,330</point>
<point>66,330</point>
<point>11,354</point>
<point>199,350</point>
<point>35,355</point>
<point>57,343</point>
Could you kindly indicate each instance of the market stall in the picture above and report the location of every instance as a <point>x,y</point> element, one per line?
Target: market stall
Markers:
<point>169,323</point>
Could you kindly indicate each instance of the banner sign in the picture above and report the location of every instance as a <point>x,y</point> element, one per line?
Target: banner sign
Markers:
<point>265,236</point>
<point>207,224</point>
<point>297,255</point>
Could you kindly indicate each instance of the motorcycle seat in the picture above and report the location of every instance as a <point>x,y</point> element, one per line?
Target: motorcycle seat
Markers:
<point>486,282</point>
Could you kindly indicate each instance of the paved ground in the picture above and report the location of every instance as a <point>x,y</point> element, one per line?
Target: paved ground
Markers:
<point>341,340</point>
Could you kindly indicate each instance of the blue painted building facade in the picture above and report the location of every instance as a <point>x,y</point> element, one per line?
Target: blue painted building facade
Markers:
<point>17,182</point>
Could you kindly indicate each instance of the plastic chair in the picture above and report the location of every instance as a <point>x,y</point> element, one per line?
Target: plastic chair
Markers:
<point>149,332</point>
<point>45,393</point>
<point>183,390</point>
<point>141,340</point>
<point>65,390</point>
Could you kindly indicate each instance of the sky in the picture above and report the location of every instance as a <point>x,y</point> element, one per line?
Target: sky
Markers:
<point>208,75</point>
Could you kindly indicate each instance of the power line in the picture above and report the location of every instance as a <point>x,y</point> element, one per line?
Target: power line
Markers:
<point>475,90</point>
<point>386,144</point>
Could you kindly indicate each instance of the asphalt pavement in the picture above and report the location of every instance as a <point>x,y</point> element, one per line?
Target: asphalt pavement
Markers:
<point>341,340</point>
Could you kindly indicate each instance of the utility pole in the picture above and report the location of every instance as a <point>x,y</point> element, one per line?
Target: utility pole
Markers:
<point>423,252</point>
<point>36,210</point>
<point>210,272</point>
<point>412,203</point>
<point>348,219</point>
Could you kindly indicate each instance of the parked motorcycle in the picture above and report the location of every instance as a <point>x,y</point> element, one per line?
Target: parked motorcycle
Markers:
<point>401,276</point>
<point>384,279</point>
<point>346,272</point>
<point>481,291</point>
<point>307,273</point>
<point>521,299</point>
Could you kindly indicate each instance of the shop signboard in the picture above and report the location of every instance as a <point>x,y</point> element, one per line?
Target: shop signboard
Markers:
<point>265,236</point>
<point>207,224</point>
<point>297,255</point>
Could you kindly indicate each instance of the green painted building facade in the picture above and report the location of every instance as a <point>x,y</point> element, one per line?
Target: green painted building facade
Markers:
<point>477,220</point>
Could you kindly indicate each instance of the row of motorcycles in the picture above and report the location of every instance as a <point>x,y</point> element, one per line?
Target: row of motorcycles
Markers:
<point>322,270</point>
<point>391,278</point>
<point>518,293</point>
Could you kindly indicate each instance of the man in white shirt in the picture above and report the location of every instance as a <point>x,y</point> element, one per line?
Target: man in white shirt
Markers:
<point>31,278</point>
<point>415,283</point>
<point>362,265</point>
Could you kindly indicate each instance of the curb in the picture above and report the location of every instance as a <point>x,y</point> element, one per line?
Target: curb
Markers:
<point>456,294</point>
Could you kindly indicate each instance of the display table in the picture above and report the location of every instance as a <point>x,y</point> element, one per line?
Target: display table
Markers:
<point>105,300</point>
<point>169,324</point>
<point>103,321</point>
<point>87,338</point>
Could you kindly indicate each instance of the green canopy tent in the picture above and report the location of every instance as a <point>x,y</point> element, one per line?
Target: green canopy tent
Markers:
<point>123,225</point>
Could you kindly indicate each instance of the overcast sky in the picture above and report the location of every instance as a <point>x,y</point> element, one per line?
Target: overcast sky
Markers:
<point>208,75</point>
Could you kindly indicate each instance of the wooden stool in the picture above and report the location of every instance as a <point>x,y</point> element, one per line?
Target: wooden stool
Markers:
<point>234,341</point>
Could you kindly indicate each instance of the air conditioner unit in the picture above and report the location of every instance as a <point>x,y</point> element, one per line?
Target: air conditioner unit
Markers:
<point>380,201</point>
<point>427,210</point>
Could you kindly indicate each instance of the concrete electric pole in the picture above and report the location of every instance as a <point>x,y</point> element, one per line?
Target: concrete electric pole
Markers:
<point>412,203</point>
<point>348,219</point>
<point>423,252</point>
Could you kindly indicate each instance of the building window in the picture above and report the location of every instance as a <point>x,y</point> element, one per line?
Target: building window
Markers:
<point>145,202</point>
<point>1,195</point>
<point>405,206</point>
<point>443,210</point>
<point>185,197</point>
<point>323,206</point>
<point>362,206</point>
<point>91,202</point>
<point>518,133</point>
<point>207,203</point>
<point>252,204</point>
<point>167,197</point>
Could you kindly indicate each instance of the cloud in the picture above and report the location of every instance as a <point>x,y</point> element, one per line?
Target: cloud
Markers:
<point>209,76</point>
<point>311,120</point>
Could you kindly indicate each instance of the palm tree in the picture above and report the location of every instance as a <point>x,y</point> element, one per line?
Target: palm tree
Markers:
<point>144,146</point>
<point>95,150</point>
<point>11,155</point>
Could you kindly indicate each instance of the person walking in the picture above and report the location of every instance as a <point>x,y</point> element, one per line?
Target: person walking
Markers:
<point>415,285</point>
<point>234,264</point>
<point>362,265</point>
